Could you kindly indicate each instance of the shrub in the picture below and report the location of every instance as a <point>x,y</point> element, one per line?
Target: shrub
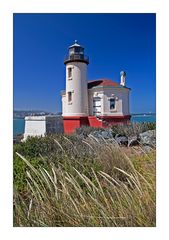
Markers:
<point>85,130</point>
<point>68,181</point>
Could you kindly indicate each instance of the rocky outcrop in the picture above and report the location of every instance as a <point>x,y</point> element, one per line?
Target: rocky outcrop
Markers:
<point>121,140</point>
<point>133,141</point>
<point>146,139</point>
<point>103,134</point>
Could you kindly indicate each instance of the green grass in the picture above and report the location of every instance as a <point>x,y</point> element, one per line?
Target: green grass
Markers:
<point>69,181</point>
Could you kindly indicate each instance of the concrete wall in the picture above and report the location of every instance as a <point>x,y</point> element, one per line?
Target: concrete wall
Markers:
<point>54,124</point>
<point>35,126</point>
<point>121,96</point>
<point>42,125</point>
<point>78,86</point>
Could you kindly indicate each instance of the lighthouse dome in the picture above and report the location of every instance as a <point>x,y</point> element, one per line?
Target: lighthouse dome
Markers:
<point>76,45</point>
<point>76,54</point>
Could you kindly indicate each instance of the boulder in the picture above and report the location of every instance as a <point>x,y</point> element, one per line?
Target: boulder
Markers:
<point>133,141</point>
<point>148,138</point>
<point>96,134</point>
<point>121,140</point>
<point>147,148</point>
<point>107,134</point>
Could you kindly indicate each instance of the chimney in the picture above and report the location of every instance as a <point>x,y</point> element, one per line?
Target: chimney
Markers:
<point>123,78</point>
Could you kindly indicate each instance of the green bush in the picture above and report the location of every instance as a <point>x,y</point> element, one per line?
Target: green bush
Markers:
<point>56,149</point>
<point>71,181</point>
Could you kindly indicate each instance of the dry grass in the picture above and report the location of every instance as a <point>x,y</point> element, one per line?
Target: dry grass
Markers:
<point>107,187</point>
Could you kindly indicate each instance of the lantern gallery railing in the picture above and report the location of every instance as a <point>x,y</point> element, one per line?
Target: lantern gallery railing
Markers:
<point>76,57</point>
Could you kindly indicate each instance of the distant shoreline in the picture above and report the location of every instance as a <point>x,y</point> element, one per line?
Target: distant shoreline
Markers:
<point>133,115</point>
<point>143,115</point>
<point>18,118</point>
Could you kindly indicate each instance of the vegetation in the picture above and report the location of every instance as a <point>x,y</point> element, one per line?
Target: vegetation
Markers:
<point>131,129</point>
<point>127,130</point>
<point>71,181</point>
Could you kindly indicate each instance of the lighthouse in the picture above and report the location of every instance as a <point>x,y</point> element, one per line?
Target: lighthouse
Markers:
<point>75,97</point>
<point>76,82</point>
<point>97,103</point>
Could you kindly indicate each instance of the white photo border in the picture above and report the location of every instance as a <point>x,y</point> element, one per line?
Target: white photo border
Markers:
<point>8,8</point>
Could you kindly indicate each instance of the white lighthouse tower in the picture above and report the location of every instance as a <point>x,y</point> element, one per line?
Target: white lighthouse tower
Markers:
<point>75,98</point>
<point>76,102</point>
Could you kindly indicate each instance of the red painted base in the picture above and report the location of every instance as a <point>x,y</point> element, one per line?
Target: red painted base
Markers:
<point>114,120</point>
<point>71,123</point>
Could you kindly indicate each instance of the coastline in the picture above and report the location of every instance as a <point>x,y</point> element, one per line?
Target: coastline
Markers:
<point>19,123</point>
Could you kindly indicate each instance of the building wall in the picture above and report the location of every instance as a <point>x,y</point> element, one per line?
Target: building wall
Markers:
<point>95,93</point>
<point>78,86</point>
<point>41,125</point>
<point>121,96</point>
<point>35,126</point>
<point>126,104</point>
<point>54,124</point>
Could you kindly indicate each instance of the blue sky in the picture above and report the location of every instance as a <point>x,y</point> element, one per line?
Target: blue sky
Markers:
<point>113,42</point>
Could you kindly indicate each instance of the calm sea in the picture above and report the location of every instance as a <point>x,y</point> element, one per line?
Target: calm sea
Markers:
<point>19,124</point>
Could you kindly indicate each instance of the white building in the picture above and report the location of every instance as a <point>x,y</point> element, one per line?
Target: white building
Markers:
<point>42,125</point>
<point>98,103</point>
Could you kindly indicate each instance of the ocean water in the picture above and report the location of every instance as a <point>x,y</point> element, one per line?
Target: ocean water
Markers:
<point>142,118</point>
<point>19,124</point>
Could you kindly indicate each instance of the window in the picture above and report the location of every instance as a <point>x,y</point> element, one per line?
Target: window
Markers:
<point>69,97</point>
<point>96,105</point>
<point>71,51</point>
<point>112,103</point>
<point>69,72</point>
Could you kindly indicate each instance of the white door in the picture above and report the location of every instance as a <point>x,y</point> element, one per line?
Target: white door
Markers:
<point>96,106</point>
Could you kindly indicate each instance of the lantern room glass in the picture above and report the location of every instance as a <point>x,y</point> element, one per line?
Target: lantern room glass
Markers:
<point>76,51</point>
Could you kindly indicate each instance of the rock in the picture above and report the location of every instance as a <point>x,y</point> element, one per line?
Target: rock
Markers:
<point>96,134</point>
<point>148,138</point>
<point>147,148</point>
<point>132,141</point>
<point>82,135</point>
<point>121,140</point>
<point>106,134</point>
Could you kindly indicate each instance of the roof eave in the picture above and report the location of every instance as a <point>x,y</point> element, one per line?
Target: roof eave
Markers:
<point>120,87</point>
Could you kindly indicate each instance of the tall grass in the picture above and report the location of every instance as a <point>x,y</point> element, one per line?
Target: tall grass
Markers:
<point>84,183</point>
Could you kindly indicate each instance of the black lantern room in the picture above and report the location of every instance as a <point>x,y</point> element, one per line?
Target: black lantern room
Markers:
<point>76,54</point>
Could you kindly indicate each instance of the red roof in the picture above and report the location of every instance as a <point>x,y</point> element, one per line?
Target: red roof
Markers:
<point>102,82</point>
